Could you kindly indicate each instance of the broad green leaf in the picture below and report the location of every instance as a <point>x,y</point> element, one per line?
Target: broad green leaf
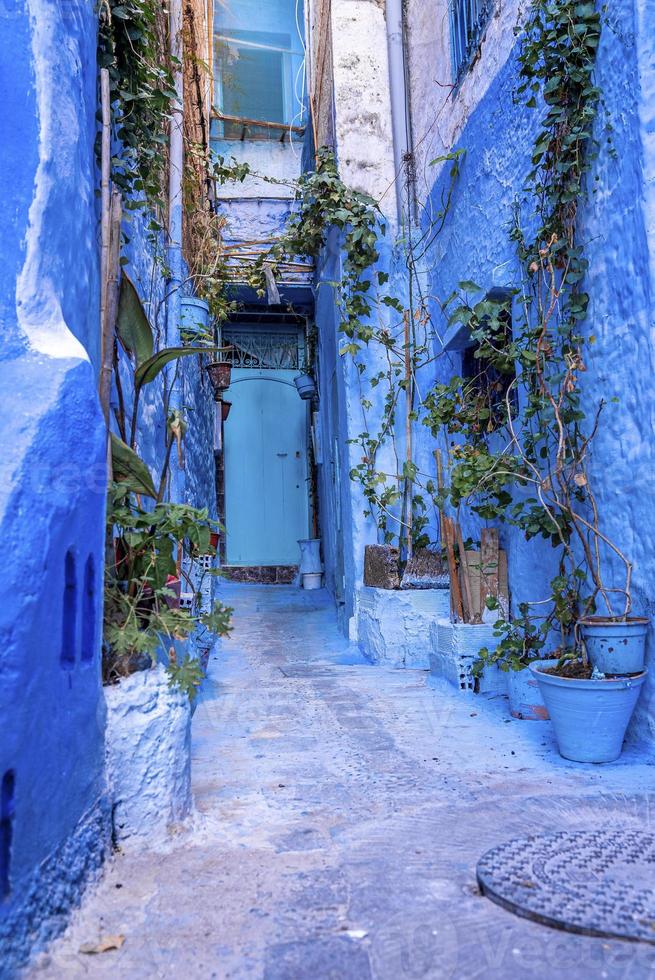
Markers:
<point>130,468</point>
<point>132,325</point>
<point>148,371</point>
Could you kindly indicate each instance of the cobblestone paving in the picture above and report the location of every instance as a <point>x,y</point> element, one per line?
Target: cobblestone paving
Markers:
<point>341,810</point>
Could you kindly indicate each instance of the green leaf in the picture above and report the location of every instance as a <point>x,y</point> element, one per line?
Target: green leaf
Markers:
<point>132,324</point>
<point>130,469</point>
<point>148,370</point>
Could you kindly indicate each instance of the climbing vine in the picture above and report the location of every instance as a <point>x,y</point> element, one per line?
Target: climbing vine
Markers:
<point>535,475</point>
<point>132,46</point>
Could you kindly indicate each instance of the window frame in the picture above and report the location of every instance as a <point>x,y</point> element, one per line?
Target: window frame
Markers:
<point>462,55</point>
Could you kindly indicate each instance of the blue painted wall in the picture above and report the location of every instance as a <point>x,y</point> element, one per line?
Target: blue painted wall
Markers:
<point>617,224</point>
<point>52,474</point>
<point>55,819</point>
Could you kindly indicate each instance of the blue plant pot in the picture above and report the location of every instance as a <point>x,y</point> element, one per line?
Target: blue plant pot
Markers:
<point>590,718</point>
<point>305,385</point>
<point>194,315</point>
<point>525,698</point>
<point>615,648</point>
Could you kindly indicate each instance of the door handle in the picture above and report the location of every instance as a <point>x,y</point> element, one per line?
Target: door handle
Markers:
<point>283,454</point>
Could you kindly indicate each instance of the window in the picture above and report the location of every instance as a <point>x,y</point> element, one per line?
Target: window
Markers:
<point>468,19</point>
<point>489,384</point>
<point>258,74</point>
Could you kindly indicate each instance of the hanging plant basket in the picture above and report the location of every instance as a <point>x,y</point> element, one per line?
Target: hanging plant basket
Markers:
<point>220,373</point>
<point>225,410</point>
<point>306,387</point>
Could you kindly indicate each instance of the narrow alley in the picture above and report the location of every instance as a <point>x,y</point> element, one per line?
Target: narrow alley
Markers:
<point>340,813</point>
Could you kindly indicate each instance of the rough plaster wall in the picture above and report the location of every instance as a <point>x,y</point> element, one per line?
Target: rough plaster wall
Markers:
<point>438,113</point>
<point>281,161</point>
<point>361,98</point>
<point>145,271</point>
<point>52,467</point>
<point>343,419</point>
<point>393,627</point>
<point>616,225</point>
<point>148,757</point>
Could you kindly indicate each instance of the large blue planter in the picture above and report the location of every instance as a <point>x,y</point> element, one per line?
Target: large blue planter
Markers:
<point>615,648</point>
<point>194,317</point>
<point>590,718</point>
<point>525,699</point>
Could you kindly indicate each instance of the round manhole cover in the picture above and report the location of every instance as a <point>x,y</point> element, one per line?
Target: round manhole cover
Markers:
<point>601,883</point>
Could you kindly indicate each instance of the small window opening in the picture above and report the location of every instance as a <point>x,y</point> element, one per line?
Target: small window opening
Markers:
<point>468,19</point>
<point>258,74</point>
<point>491,378</point>
<point>7,807</point>
<point>89,610</point>
<point>69,612</point>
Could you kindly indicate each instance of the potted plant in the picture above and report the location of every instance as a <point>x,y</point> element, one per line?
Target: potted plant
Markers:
<point>194,321</point>
<point>225,409</point>
<point>520,647</point>
<point>220,374</point>
<point>590,712</point>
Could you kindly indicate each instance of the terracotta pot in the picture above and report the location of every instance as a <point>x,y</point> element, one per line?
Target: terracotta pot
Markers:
<point>225,410</point>
<point>220,373</point>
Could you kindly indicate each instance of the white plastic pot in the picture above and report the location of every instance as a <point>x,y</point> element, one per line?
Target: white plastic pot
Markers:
<point>310,555</point>
<point>312,580</point>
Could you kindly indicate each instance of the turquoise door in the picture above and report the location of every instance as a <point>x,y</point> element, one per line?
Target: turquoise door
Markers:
<point>266,485</point>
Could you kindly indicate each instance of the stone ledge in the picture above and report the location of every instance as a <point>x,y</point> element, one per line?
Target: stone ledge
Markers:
<point>148,756</point>
<point>393,625</point>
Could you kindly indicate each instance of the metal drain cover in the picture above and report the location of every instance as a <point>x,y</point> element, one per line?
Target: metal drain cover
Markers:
<point>596,882</point>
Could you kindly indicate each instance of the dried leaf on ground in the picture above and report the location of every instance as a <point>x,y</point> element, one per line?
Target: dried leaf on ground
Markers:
<point>103,945</point>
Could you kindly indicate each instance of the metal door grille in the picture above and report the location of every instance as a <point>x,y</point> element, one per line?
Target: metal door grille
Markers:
<point>261,349</point>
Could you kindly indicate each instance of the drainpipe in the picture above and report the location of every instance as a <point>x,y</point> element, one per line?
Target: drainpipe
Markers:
<point>175,168</point>
<point>399,110</point>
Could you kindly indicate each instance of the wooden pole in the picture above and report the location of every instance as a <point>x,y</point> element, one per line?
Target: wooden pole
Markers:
<point>408,432</point>
<point>455,592</point>
<point>111,288</point>
<point>105,221</point>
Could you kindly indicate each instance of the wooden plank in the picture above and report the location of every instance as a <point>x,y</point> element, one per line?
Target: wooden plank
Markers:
<point>473,566</point>
<point>488,564</point>
<point>463,564</point>
<point>455,594</point>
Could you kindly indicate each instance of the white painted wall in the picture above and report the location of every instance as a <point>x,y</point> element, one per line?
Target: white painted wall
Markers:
<point>362,103</point>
